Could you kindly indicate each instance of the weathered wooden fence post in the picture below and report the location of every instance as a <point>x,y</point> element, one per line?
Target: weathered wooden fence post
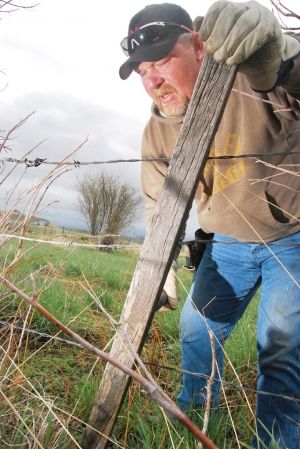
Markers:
<point>200,124</point>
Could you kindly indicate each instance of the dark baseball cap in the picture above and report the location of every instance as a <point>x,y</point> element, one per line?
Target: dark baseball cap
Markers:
<point>152,34</point>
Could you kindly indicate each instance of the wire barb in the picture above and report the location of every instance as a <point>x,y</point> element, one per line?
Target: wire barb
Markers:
<point>36,163</point>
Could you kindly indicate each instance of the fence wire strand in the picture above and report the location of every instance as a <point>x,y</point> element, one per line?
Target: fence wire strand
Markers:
<point>29,163</point>
<point>69,244</point>
<point>156,365</point>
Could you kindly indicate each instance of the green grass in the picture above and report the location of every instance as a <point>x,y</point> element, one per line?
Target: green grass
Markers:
<point>67,377</point>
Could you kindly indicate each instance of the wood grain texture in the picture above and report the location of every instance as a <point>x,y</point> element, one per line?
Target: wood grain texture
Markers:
<point>190,154</point>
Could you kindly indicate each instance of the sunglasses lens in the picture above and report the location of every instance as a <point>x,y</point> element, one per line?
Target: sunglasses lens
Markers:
<point>124,45</point>
<point>146,36</point>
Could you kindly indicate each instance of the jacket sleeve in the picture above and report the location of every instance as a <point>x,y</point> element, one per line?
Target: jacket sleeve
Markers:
<point>152,177</point>
<point>156,144</point>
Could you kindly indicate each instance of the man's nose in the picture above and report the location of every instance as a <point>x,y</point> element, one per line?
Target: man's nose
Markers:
<point>155,80</point>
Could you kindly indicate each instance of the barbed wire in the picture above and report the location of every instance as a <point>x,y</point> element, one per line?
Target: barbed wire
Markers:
<point>76,163</point>
<point>157,365</point>
<point>40,334</point>
<point>225,382</point>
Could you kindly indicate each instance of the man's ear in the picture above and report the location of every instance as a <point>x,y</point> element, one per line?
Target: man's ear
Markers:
<point>198,46</point>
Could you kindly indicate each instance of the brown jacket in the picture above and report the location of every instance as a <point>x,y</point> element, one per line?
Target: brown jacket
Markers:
<point>251,198</point>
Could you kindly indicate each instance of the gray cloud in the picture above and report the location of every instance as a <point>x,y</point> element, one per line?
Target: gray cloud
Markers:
<point>66,121</point>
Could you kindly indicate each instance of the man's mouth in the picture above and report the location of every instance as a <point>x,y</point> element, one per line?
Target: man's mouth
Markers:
<point>166,97</point>
<point>165,94</point>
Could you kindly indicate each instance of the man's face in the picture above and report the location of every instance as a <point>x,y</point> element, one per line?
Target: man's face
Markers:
<point>170,81</point>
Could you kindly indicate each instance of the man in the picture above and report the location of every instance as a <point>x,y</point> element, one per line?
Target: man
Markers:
<point>250,201</point>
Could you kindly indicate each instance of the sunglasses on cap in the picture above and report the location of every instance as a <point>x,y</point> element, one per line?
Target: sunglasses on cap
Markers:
<point>149,34</point>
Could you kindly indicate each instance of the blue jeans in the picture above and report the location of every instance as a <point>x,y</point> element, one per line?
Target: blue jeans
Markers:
<point>225,282</point>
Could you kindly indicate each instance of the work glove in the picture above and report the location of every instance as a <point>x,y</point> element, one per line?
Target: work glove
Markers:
<point>169,298</point>
<point>250,35</point>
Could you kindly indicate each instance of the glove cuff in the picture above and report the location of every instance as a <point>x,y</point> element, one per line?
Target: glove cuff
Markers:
<point>289,51</point>
<point>170,287</point>
<point>283,72</point>
<point>290,47</point>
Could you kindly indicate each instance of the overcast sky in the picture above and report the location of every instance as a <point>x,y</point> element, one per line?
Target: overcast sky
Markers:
<point>61,60</point>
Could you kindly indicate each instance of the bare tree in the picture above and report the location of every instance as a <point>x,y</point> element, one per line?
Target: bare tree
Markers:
<point>284,12</point>
<point>107,204</point>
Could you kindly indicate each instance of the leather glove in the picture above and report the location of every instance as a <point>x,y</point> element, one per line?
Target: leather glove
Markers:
<point>250,35</point>
<point>169,298</point>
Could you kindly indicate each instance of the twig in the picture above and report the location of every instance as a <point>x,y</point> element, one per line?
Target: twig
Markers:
<point>229,412</point>
<point>263,242</point>
<point>227,358</point>
<point>284,10</point>
<point>70,416</point>
<point>156,394</point>
<point>43,401</point>
<point>20,123</point>
<point>225,382</point>
<point>16,164</point>
<point>209,385</point>
<point>13,6</point>
<point>153,364</point>
<point>20,418</point>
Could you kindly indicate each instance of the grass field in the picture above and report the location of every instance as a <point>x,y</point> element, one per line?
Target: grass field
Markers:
<point>48,385</point>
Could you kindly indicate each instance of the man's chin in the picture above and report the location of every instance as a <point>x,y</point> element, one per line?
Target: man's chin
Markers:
<point>173,110</point>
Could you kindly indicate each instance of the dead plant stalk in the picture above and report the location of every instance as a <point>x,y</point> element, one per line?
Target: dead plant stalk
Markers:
<point>153,389</point>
